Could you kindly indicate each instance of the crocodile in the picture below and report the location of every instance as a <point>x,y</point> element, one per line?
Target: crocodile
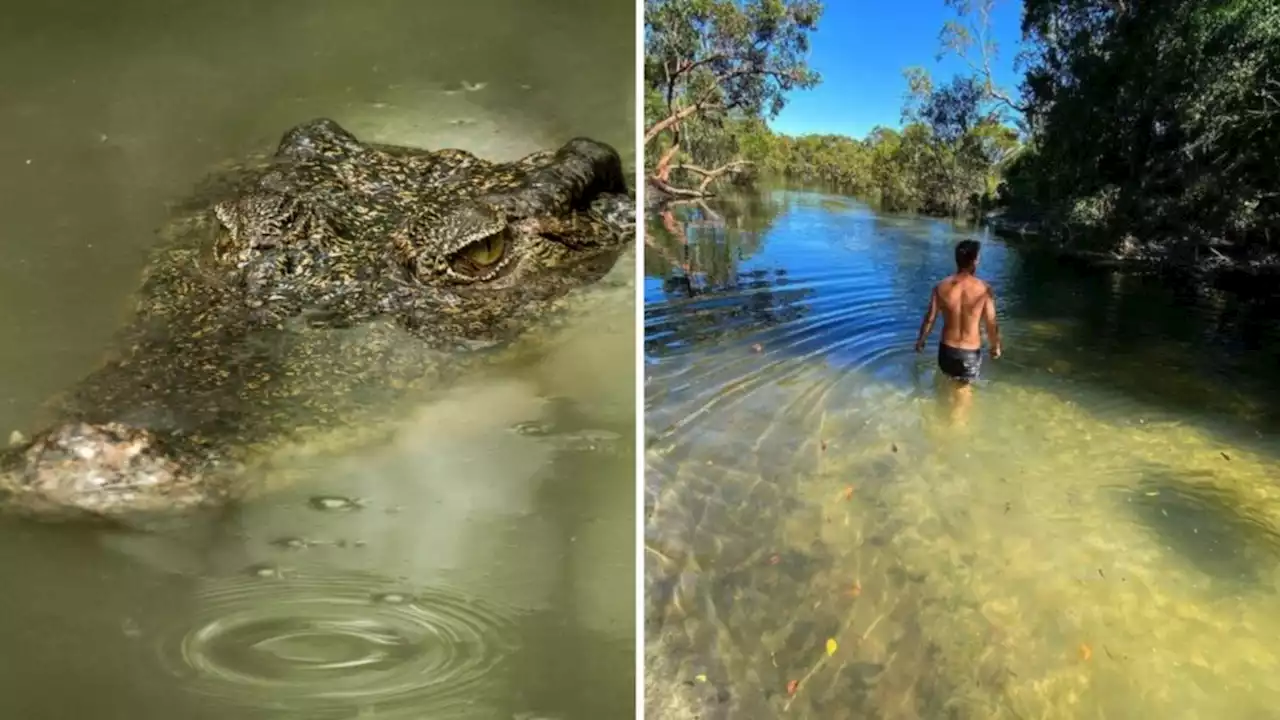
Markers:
<point>297,290</point>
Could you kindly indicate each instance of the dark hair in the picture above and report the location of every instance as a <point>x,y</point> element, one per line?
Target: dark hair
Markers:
<point>967,253</point>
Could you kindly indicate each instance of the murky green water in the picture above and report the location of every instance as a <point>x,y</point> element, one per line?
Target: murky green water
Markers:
<point>830,535</point>
<point>487,572</point>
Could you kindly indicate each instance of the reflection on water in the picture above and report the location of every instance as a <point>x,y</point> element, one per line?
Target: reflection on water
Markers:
<point>474,559</point>
<point>825,538</point>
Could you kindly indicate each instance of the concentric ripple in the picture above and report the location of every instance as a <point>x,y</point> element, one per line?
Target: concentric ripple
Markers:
<point>311,642</point>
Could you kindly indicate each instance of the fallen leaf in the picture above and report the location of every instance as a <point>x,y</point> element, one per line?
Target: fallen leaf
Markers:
<point>831,646</point>
<point>848,492</point>
<point>700,677</point>
<point>1086,652</point>
<point>1226,456</point>
<point>856,590</point>
<point>791,687</point>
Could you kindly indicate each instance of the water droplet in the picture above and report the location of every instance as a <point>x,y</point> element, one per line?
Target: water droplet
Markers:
<point>532,429</point>
<point>292,543</point>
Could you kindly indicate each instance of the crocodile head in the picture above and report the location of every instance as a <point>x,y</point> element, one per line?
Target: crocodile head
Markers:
<point>459,249</point>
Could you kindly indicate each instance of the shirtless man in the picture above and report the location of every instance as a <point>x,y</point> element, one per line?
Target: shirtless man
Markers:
<point>964,300</point>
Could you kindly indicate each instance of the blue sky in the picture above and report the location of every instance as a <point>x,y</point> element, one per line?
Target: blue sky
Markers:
<point>861,48</point>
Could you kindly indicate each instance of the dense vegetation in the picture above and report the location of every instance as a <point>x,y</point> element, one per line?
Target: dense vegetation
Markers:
<point>1142,127</point>
<point>945,161</point>
<point>1153,123</point>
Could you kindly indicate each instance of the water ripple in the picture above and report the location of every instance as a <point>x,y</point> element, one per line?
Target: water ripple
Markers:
<point>799,454</point>
<point>311,643</point>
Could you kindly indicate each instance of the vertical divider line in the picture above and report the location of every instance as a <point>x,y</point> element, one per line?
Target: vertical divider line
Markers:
<point>639,364</point>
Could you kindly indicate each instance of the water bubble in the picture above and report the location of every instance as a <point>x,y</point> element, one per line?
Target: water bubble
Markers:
<point>320,643</point>
<point>264,570</point>
<point>532,429</point>
<point>335,502</point>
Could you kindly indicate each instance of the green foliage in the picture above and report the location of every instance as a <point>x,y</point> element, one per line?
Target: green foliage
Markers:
<point>912,170</point>
<point>712,65</point>
<point>945,161</point>
<point>716,70</point>
<point>728,55</point>
<point>1155,120</point>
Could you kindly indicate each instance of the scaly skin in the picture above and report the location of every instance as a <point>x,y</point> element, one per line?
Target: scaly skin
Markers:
<point>300,291</point>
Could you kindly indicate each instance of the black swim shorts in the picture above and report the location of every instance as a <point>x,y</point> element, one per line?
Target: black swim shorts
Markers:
<point>962,365</point>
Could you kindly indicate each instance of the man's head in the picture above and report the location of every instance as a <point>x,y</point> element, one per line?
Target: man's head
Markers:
<point>967,254</point>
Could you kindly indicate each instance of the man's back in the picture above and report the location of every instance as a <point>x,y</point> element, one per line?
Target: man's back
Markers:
<point>966,304</point>
<point>962,298</point>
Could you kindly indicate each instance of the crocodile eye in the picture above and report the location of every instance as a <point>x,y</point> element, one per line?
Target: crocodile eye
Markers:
<point>481,255</point>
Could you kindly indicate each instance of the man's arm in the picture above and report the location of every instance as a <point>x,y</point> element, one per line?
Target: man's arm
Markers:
<point>993,328</point>
<point>930,315</point>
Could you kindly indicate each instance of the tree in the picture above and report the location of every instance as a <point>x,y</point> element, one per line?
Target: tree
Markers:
<point>1156,124</point>
<point>956,144</point>
<point>707,60</point>
<point>968,37</point>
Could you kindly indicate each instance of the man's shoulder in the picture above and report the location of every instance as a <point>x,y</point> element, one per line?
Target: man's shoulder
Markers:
<point>977,284</point>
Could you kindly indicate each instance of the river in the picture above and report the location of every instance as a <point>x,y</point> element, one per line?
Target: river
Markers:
<point>830,532</point>
<point>486,573</point>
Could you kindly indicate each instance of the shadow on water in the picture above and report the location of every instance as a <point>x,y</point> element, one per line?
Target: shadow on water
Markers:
<point>1214,527</point>
<point>827,538</point>
<point>1164,341</point>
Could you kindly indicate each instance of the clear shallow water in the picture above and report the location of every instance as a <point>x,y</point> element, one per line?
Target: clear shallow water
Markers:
<point>1094,535</point>
<point>488,572</point>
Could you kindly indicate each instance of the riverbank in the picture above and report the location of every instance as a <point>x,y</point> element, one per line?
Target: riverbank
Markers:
<point>1205,262</point>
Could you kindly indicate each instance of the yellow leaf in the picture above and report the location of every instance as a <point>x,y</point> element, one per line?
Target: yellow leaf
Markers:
<point>701,677</point>
<point>831,646</point>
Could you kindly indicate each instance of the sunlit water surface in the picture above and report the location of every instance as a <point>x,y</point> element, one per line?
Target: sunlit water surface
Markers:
<point>484,568</point>
<point>830,535</point>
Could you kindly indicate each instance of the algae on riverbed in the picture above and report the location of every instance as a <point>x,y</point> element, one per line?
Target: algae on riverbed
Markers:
<point>1041,561</point>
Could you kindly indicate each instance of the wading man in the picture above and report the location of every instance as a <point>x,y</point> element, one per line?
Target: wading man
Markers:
<point>965,303</point>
